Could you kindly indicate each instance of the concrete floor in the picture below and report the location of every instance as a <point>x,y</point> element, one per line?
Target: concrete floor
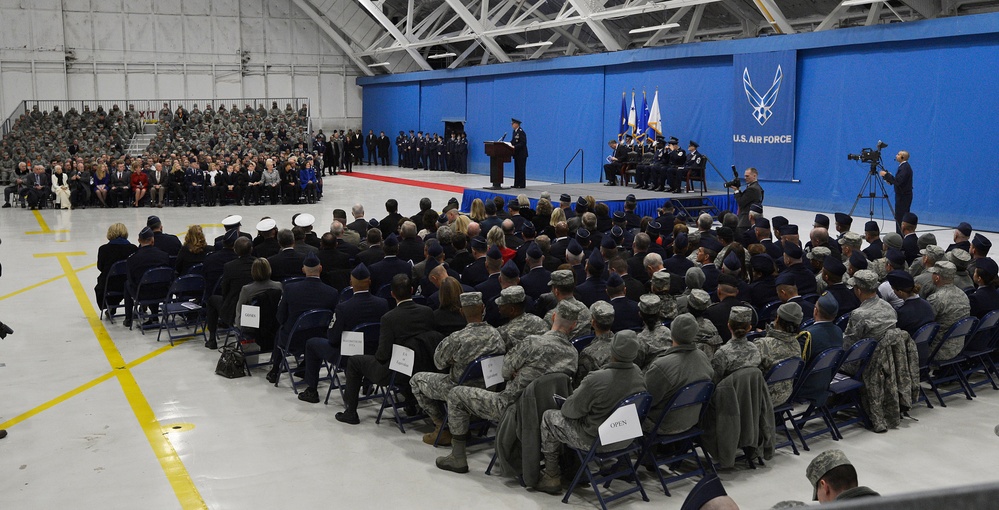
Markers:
<point>103,417</point>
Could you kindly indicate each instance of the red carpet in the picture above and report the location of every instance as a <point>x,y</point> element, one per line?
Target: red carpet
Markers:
<point>407,182</point>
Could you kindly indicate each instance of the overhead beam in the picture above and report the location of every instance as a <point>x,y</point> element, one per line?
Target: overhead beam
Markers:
<point>473,23</point>
<point>325,25</point>
<point>695,23</point>
<point>400,38</point>
<point>928,9</point>
<point>603,34</point>
<point>874,14</point>
<point>833,18</point>
<point>772,13</point>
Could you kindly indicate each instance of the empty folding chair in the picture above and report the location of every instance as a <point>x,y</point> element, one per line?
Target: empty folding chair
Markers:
<point>623,465</point>
<point>922,340</point>
<point>950,370</point>
<point>182,307</point>
<point>310,324</point>
<point>581,342</point>
<point>813,388</point>
<point>692,397</point>
<point>980,348</point>
<point>114,288</point>
<point>847,387</point>
<point>787,370</point>
<point>152,290</point>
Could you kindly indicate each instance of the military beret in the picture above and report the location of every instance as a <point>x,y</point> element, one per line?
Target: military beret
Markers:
<point>964,228</point>
<point>893,240</point>
<point>574,247</point>
<point>304,220</point>
<point>660,280</point>
<point>790,312</point>
<point>569,309</point>
<point>153,221</point>
<point>434,249</point>
<point>987,266</point>
<point>944,268</point>
<point>843,219</point>
<point>615,281</point>
<point>925,240</point>
<point>562,277</point>
<point>565,197</point>
<point>232,220</point>
<point>649,304</point>
<point>910,218</point>
<point>821,220</point>
<point>624,346</point>
<point>852,239</point>
<point>694,278</point>
<point>762,222</point>
<point>711,244</point>
<point>864,279</point>
<point>828,304</point>
<point>630,198</point>
<point>471,298</point>
<point>756,208</point>
<point>619,217</point>
<point>478,244</point>
<point>391,240</point>
<point>582,201</point>
<point>959,258</point>
<point>834,266</point>
<point>933,251</point>
<point>762,263</point>
<point>858,260</point>
<point>617,233</point>
<point>146,233</point>
<point>511,295</point>
<point>361,272</point>
<point>510,270</point>
<point>266,224</point>
<point>785,278</point>
<point>528,230</point>
<point>896,258</point>
<point>789,230</point>
<point>534,252</point>
<point>372,223</point>
<point>653,227</point>
<point>608,243</point>
<point>741,314</point>
<point>819,252</point>
<point>681,241</point>
<point>822,464</point>
<point>582,234</point>
<point>900,280</point>
<point>494,253</point>
<point>602,311</point>
<point>230,237</point>
<point>982,244</point>
<point>792,250</point>
<point>871,226</point>
<point>311,260</point>
<point>684,329</point>
<point>732,261</point>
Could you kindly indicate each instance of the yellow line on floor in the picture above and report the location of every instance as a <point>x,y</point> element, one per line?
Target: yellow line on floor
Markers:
<point>44,282</point>
<point>43,225</point>
<point>184,488</point>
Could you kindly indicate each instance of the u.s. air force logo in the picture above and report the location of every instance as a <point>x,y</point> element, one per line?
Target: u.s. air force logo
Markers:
<point>762,104</point>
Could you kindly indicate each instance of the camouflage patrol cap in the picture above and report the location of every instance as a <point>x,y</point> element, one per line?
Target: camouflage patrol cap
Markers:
<point>925,240</point>
<point>649,304</point>
<point>933,251</point>
<point>852,239</point>
<point>660,280</point>
<point>471,299</point>
<point>865,279</point>
<point>569,309</point>
<point>893,240</point>
<point>822,464</point>
<point>699,300</point>
<point>562,277</point>
<point>819,252</point>
<point>944,268</point>
<point>959,258</point>
<point>602,311</point>
<point>511,295</point>
<point>740,314</point>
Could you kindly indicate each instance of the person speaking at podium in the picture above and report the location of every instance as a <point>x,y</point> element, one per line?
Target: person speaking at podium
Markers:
<point>519,155</point>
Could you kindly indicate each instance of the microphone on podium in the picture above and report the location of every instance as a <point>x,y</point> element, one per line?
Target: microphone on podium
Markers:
<point>502,137</point>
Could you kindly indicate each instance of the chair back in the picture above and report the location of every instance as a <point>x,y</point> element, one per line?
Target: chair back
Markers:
<point>117,277</point>
<point>985,336</point>
<point>196,269</point>
<point>420,299</point>
<point>642,401</point>
<point>768,312</point>
<point>811,298</point>
<point>371,331</point>
<point>310,324</point>
<point>842,320</point>
<point>697,393</point>
<point>787,370</point>
<point>186,288</point>
<point>347,293</point>
<point>820,371</point>
<point>922,340</point>
<point>807,323</point>
<point>582,341</point>
<point>860,353</point>
<point>385,292</point>
<point>960,329</point>
<point>292,279</point>
<point>473,371</point>
<point>154,284</point>
<point>119,268</point>
<point>706,489</point>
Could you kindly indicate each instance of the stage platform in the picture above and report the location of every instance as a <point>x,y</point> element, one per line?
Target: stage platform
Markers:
<point>614,196</point>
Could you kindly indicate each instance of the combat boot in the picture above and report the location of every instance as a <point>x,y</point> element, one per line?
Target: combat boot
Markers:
<point>551,477</point>
<point>445,439</point>
<point>456,462</point>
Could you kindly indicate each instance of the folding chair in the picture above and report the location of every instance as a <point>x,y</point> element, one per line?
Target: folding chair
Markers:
<point>473,372</point>
<point>922,340</point>
<point>581,342</point>
<point>962,329</point>
<point>847,386</point>
<point>309,324</point>
<point>767,313</point>
<point>385,292</point>
<point>623,465</point>
<point>811,298</point>
<point>152,290</point>
<point>819,372</point>
<point>787,370</point>
<point>182,307</point>
<point>196,269</point>
<point>268,303</point>
<point>390,400</point>
<point>346,294</point>
<point>292,279</point>
<point>371,331</point>
<point>694,394</point>
<point>842,321</point>
<point>703,492</point>
<point>114,287</point>
<point>980,348</point>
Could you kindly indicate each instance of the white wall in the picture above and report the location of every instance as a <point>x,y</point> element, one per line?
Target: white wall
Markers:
<point>172,49</point>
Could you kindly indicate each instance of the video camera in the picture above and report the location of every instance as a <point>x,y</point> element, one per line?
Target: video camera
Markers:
<point>736,182</point>
<point>867,155</point>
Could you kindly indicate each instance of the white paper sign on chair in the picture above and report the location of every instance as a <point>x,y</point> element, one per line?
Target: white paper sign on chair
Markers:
<point>402,359</point>
<point>352,343</point>
<point>623,424</point>
<point>249,316</point>
<point>492,371</point>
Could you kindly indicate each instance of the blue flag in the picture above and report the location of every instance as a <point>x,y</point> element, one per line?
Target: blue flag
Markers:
<point>624,117</point>
<point>643,117</point>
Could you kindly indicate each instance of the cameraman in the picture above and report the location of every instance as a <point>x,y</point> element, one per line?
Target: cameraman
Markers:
<point>753,194</point>
<point>902,181</point>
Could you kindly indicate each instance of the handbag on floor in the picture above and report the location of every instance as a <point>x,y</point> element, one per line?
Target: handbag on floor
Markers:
<point>231,363</point>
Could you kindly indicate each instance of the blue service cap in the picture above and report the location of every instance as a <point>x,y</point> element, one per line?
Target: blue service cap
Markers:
<point>434,249</point>
<point>900,280</point>
<point>762,222</point>
<point>964,228</point>
<point>896,257</point>
<point>785,278</point>
<point>582,234</point>
<point>494,253</point>
<point>619,217</point>
<point>821,220</point>
<point>510,270</point>
<point>361,272</point>
<point>528,230</point>
<point>843,219</point>
<point>828,304</point>
<point>615,280</point>
<point>596,260</point>
<point>858,261</point>
<point>478,243</point>
<point>608,243</point>
<point>834,266</point>
<point>910,218</point>
<point>153,221</point>
<point>534,252</point>
<point>146,233</point>
<point>311,260</point>
<point>391,240</point>
<point>731,261</point>
<point>982,244</point>
<point>681,241</point>
<point>792,250</point>
<point>574,247</point>
<point>617,233</point>
<point>987,266</point>
<point>582,201</point>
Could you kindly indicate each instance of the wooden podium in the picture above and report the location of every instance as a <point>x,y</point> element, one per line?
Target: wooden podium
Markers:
<point>499,153</point>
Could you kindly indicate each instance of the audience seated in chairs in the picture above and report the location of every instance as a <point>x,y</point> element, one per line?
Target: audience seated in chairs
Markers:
<point>145,257</point>
<point>193,251</point>
<point>117,248</point>
<point>679,366</point>
<point>235,274</point>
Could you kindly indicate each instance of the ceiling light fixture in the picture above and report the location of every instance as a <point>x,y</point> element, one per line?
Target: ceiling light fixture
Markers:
<point>653,29</point>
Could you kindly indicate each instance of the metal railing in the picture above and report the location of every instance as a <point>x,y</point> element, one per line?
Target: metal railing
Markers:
<point>582,166</point>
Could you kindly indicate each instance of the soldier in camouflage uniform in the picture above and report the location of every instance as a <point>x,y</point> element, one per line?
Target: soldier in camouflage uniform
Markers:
<point>654,339</point>
<point>874,317</point>
<point>519,325</point>
<point>708,339</point>
<point>694,279</point>
<point>924,281</point>
<point>738,352</point>
<point>960,259</point>
<point>780,344</point>
<point>528,360</point>
<point>563,283</point>
<point>849,243</point>
<point>455,353</point>
<point>950,304</point>
<point>659,285</point>
<point>817,256</point>
<point>596,355</point>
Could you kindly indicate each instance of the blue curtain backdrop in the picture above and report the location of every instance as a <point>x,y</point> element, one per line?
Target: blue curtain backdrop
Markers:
<point>926,87</point>
<point>441,100</point>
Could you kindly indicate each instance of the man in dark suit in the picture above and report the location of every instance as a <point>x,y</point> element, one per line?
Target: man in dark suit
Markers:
<point>411,246</point>
<point>383,149</point>
<point>753,194</point>
<point>519,142</point>
<point>374,253</point>
<point>875,248</point>
<point>910,241</point>
<point>612,169</point>
<point>372,143</point>
<point>169,243</point>
<point>145,258</point>
<point>406,321</point>
<point>235,274</point>
<point>336,264</point>
<point>626,314</point>
<point>384,270</point>
<point>300,297</point>
<point>363,307</point>
<point>718,313</point>
<point>119,184</point>
<point>536,277</point>
<point>390,223</point>
<point>359,225</point>
<point>902,181</point>
<point>287,262</point>
<point>39,188</point>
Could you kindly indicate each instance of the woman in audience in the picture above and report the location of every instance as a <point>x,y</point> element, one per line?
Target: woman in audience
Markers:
<point>260,271</point>
<point>478,210</point>
<point>60,186</point>
<point>289,184</point>
<point>177,183</point>
<point>558,216</point>
<point>117,248</point>
<point>309,182</point>
<point>102,183</point>
<point>447,316</point>
<point>461,225</point>
<point>194,250</point>
<point>140,186</point>
<point>542,218</point>
<point>495,237</point>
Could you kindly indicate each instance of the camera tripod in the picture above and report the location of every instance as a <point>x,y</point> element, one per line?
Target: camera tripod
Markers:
<point>869,190</point>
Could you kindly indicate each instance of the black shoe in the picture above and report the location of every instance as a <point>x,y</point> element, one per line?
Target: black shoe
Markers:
<point>300,373</point>
<point>610,183</point>
<point>127,324</point>
<point>412,410</point>
<point>6,206</point>
<point>5,330</point>
<point>310,395</point>
<point>212,344</point>
<point>272,376</point>
<point>348,417</point>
